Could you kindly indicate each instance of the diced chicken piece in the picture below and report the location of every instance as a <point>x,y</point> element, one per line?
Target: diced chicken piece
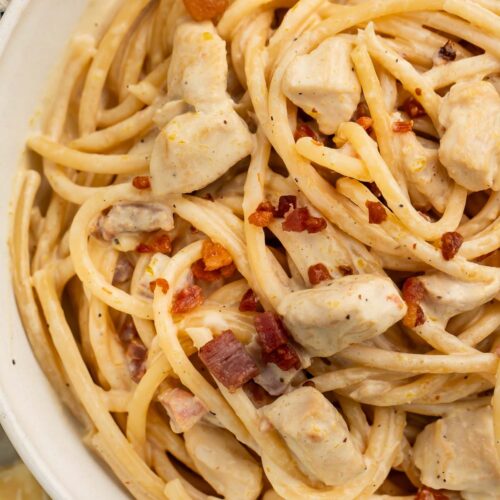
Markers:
<point>317,435</point>
<point>470,147</point>
<point>184,409</point>
<point>127,218</point>
<point>223,462</point>
<point>197,147</point>
<point>330,317</point>
<point>428,180</point>
<point>323,83</point>
<point>446,296</point>
<point>458,453</point>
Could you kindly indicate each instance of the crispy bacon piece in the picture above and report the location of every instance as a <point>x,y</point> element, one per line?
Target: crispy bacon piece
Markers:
<point>123,270</point>
<point>228,271</point>
<point>161,282</point>
<point>263,216</point>
<point>448,51</point>
<point>285,204</point>
<point>249,302</point>
<point>450,244</point>
<point>158,244</point>
<point>300,219</point>
<point>127,332</point>
<point>426,493</point>
<point>141,182</point>
<point>200,272</point>
<point>188,298</point>
<point>413,108</point>
<point>228,361</point>
<point>318,273</point>
<point>204,10</point>
<point>345,270</point>
<point>259,396</point>
<point>401,127</point>
<point>136,355</point>
<point>285,356</point>
<point>183,408</point>
<point>271,333</point>
<point>376,212</point>
<point>304,130</point>
<point>365,121</point>
<point>215,256</point>
<point>413,294</point>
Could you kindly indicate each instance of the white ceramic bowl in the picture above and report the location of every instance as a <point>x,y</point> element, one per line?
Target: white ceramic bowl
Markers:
<point>33,34</point>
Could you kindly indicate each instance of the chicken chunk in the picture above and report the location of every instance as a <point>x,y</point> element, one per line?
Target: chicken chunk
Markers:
<point>199,146</point>
<point>216,452</point>
<point>470,147</point>
<point>128,218</point>
<point>457,452</point>
<point>328,318</point>
<point>323,83</point>
<point>317,435</point>
<point>446,296</point>
<point>429,183</point>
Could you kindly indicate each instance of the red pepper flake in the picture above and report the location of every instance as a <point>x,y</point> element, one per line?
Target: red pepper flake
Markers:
<point>402,127</point>
<point>215,256</point>
<point>426,493</point>
<point>271,333</point>
<point>284,356</point>
<point>204,10</point>
<point>187,299</point>
<point>142,182</point>
<point>365,121</point>
<point>345,270</point>
<point>450,244</point>
<point>304,130</point>
<point>413,108</point>
<point>448,51</point>
<point>161,282</point>
<point>263,216</point>
<point>159,244</point>
<point>418,91</point>
<point>285,204</point>
<point>413,294</point>
<point>318,273</point>
<point>376,212</point>
<point>228,361</point>
<point>249,302</point>
<point>300,219</point>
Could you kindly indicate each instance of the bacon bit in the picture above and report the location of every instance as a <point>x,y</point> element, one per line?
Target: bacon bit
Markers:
<point>183,408</point>
<point>263,216</point>
<point>365,121</point>
<point>228,361</point>
<point>318,273</point>
<point>285,204</point>
<point>228,271</point>
<point>402,127</point>
<point>271,333</point>
<point>413,294</point>
<point>159,244</point>
<point>128,331</point>
<point>284,356</point>
<point>204,10</point>
<point>345,270</point>
<point>215,256</point>
<point>187,299</point>
<point>448,51</point>
<point>376,212</point>
<point>426,493</point>
<point>413,108</point>
<point>249,302</point>
<point>136,355</point>
<point>304,130</point>
<point>259,396</point>
<point>450,244</point>
<point>300,219</point>
<point>200,273</point>
<point>123,270</point>
<point>161,282</point>
<point>141,182</point>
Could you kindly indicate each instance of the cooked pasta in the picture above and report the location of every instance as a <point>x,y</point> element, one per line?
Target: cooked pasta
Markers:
<point>260,255</point>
